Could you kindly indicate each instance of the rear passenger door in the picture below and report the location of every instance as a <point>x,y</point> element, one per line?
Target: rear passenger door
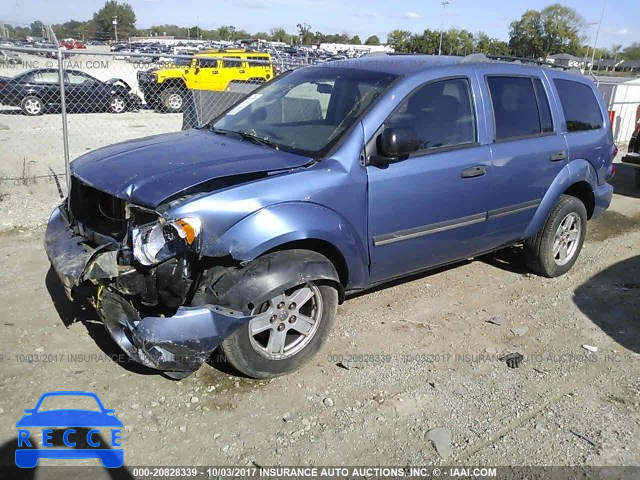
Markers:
<point>527,151</point>
<point>585,127</point>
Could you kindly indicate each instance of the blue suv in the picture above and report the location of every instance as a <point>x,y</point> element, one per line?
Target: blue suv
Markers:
<point>247,232</point>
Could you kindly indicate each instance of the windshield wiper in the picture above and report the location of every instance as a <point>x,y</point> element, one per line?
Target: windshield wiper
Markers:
<point>247,136</point>
<point>258,139</point>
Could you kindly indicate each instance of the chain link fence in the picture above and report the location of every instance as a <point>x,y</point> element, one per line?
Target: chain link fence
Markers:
<point>101,98</point>
<point>57,104</point>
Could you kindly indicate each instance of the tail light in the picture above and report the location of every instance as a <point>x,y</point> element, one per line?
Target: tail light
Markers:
<point>2,85</point>
<point>615,151</point>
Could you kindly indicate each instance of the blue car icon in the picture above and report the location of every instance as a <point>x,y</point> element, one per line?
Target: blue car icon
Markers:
<point>77,425</point>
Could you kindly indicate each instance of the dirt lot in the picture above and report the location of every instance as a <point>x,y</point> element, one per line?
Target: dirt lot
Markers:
<point>437,367</point>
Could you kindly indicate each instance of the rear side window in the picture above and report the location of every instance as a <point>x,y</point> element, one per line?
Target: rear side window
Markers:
<point>229,63</point>
<point>515,108</point>
<point>580,106</point>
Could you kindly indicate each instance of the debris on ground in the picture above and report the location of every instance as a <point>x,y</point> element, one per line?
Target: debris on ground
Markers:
<point>441,440</point>
<point>519,331</point>
<point>495,321</point>
<point>583,437</point>
<point>590,348</point>
<point>513,360</point>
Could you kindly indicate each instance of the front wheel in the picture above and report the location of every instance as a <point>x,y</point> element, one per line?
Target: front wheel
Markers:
<point>554,250</point>
<point>172,99</point>
<point>117,104</point>
<point>287,331</point>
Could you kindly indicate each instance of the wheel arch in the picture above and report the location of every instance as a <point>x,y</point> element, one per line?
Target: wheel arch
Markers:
<point>296,225</point>
<point>577,179</point>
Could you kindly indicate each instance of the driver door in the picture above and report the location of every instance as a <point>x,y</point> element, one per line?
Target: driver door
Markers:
<point>205,75</point>
<point>85,93</point>
<point>431,207</point>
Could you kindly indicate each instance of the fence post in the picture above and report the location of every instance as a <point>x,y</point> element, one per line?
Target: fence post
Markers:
<point>65,131</point>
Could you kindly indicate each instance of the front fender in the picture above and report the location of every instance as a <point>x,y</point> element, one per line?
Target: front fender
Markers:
<point>276,225</point>
<point>574,172</point>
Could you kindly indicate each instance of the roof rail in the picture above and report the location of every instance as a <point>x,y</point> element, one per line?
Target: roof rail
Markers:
<point>481,57</point>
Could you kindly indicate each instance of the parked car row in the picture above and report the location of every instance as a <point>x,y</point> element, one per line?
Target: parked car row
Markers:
<point>37,90</point>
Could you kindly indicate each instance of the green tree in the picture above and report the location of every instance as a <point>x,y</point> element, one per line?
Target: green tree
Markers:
<point>279,34</point>
<point>304,34</point>
<point>355,40</point>
<point>632,52</point>
<point>372,40</point>
<point>399,40</point>
<point>482,43</point>
<point>562,28</point>
<point>37,29</point>
<point>554,29</point>
<point>103,19</point>
<point>525,35</point>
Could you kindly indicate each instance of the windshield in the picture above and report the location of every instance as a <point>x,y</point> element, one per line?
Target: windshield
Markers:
<point>307,111</point>
<point>181,62</point>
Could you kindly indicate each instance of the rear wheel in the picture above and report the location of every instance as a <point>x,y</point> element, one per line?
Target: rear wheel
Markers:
<point>172,99</point>
<point>554,250</point>
<point>32,106</point>
<point>286,332</point>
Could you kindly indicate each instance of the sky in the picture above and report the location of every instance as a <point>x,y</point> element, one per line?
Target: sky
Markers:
<point>355,17</point>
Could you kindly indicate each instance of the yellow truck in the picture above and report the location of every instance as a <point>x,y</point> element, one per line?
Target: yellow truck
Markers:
<point>215,70</point>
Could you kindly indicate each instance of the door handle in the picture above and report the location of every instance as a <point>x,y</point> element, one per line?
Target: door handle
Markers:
<point>475,171</point>
<point>241,71</point>
<point>557,157</point>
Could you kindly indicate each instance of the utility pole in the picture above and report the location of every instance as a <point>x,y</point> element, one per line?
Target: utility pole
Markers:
<point>115,26</point>
<point>444,8</point>
<point>595,42</point>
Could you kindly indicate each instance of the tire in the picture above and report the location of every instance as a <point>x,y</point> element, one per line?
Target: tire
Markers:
<point>248,353</point>
<point>637,177</point>
<point>172,99</point>
<point>117,104</point>
<point>563,233</point>
<point>32,106</point>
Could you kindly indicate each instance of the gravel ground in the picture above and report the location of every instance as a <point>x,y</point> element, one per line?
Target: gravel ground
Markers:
<point>437,338</point>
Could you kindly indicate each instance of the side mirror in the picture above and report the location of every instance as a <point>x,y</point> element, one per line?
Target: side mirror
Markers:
<point>394,144</point>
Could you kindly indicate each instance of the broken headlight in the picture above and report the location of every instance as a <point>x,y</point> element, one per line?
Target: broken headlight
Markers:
<point>161,241</point>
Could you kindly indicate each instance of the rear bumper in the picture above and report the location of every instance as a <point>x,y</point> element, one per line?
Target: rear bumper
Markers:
<point>602,195</point>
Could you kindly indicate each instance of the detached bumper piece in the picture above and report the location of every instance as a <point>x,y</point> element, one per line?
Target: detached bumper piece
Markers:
<point>71,258</point>
<point>179,344</point>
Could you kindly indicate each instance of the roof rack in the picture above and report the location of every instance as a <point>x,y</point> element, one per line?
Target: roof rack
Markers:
<point>481,57</point>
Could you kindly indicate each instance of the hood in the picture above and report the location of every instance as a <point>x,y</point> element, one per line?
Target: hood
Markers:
<point>118,82</point>
<point>150,170</point>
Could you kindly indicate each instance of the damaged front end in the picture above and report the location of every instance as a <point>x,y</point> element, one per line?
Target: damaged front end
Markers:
<point>139,261</point>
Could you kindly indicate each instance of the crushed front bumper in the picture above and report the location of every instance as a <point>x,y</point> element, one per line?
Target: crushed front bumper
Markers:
<point>180,343</point>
